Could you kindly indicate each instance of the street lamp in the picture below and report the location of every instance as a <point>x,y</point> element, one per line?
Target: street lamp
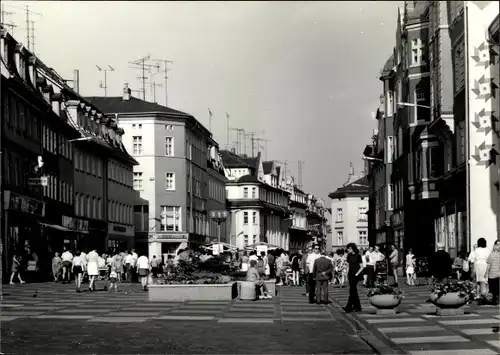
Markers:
<point>219,217</point>
<point>409,104</point>
<point>365,157</point>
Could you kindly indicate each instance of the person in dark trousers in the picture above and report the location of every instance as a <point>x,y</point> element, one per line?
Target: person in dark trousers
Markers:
<point>303,267</point>
<point>493,272</point>
<point>441,264</point>
<point>322,271</point>
<point>311,258</point>
<point>271,261</point>
<point>355,264</point>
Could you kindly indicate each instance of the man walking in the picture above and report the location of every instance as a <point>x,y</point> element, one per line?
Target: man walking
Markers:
<point>441,264</point>
<point>322,270</point>
<point>311,258</point>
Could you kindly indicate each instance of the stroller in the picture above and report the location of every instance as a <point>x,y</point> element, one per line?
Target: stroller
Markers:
<point>289,278</point>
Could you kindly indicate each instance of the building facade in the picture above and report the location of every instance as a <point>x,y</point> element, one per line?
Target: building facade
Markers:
<point>443,177</point>
<point>258,204</point>
<point>179,170</point>
<point>300,237</point>
<point>349,208</point>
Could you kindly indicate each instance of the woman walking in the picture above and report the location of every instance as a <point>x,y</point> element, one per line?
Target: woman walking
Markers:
<point>77,269</point>
<point>479,258</point>
<point>355,264</point>
<point>410,268</point>
<point>92,268</point>
<point>16,270</point>
<point>56,266</point>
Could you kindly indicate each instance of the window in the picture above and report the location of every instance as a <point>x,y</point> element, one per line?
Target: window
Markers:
<point>254,239</point>
<point>245,241</point>
<point>390,197</point>
<point>254,217</point>
<point>363,237</point>
<point>245,217</point>
<point>390,103</point>
<point>461,142</point>
<point>137,145</point>
<point>171,220</point>
<point>138,182</point>
<point>448,155</point>
<point>169,127</point>
<point>340,215</point>
<point>169,146</point>
<point>400,141</point>
<point>170,181</point>
<point>340,238</point>
<point>245,192</point>
<point>254,192</point>
<point>362,216</point>
<point>390,149</point>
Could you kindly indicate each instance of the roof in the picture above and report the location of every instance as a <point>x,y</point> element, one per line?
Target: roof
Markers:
<point>249,178</point>
<point>358,188</point>
<point>133,105</point>
<point>267,167</point>
<point>233,160</point>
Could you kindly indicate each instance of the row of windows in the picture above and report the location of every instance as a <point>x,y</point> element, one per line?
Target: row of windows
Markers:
<point>362,237</point>
<point>88,163</point>
<point>249,240</point>
<point>20,117</point>
<point>254,218</point>
<point>171,219</point>
<point>120,212</point>
<point>361,214</point>
<point>138,149</point>
<point>88,206</point>
<point>120,174</point>
<point>299,220</point>
<point>216,191</point>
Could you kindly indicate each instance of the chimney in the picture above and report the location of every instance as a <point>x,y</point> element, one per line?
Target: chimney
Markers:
<point>76,81</point>
<point>126,92</point>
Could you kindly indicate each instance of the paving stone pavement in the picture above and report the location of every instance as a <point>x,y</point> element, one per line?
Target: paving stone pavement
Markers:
<point>417,330</point>
<point>53,318</point>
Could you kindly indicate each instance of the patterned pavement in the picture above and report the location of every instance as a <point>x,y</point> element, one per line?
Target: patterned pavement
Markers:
<point>60,321</point>
<point>130,304</point>
<point>416,330</point>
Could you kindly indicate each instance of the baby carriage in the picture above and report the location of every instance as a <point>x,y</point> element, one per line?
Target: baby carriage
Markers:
<point>289,278</point>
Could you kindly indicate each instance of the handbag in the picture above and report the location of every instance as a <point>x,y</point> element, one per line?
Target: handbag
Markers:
<point>32,266</point>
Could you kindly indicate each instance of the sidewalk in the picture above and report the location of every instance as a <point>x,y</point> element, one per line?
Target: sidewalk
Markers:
<point>417,331</point>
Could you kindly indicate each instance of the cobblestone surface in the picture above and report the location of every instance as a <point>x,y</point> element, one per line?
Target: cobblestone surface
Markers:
<point>60,321</point>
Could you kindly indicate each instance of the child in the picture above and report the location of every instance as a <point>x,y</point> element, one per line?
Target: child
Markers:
<point>260,285</point>
<point>113,279</point>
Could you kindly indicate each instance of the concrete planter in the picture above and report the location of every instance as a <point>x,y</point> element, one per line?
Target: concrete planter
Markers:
<point>385,301</point>
<point>270,284</point>
<point>450,300</point>
<point>192,292</point>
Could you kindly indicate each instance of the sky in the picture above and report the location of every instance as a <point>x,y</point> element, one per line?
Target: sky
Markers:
<point>302,74</point>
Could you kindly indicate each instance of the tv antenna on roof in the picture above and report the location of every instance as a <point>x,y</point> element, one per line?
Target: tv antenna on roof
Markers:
<point>105,84</point>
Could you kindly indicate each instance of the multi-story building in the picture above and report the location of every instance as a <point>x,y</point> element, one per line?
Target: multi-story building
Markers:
<point>258,202</point>
<point>37,164</point>
<point>349,211</point>
<point>177,171</point>
<point>445,131</point>
<point>316,220</point>
<point>141,224</point>
<point>299,236</point>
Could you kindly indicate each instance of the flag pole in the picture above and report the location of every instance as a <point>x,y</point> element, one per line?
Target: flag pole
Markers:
<point>227,133</point>
<point>209,120</point>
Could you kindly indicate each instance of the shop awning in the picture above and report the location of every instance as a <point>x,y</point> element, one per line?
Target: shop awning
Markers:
<point>254,246</point>
<point>55,226</point>
<point>225,246</point>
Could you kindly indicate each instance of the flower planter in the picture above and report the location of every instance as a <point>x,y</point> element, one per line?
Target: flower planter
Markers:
<point>385,301</point>
<point>270,284</point>
<point>192,292</point>
<point>450,300</point>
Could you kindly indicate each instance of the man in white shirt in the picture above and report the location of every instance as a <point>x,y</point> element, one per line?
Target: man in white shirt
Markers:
<point>143,268</point>
<point>128,266</point>
<point>67,259</point>
<point>369,261</point>
<point>83,256</point>
<point>311,258</point>
<point>133,265</point>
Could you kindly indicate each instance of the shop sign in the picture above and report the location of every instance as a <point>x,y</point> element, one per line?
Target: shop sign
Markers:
<point>120,229</point>
<point>397,219</point>
<point>169,237</point>
<point>16,202</point>
<point>76,224</point>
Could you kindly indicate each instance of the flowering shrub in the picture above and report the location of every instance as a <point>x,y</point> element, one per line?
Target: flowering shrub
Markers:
<point>384,289</point>
<point>465,289</point>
